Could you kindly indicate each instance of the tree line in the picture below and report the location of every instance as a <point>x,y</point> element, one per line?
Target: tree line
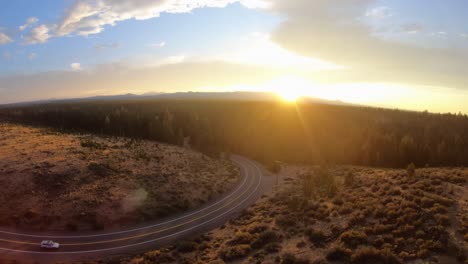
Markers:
<point>270,131</point>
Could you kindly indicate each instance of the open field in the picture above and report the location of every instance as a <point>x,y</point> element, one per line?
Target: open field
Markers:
<point>341,214</point>
<point>54,181</point>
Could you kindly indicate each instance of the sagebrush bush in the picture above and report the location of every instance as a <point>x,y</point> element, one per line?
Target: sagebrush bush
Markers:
<point>316,237</point>
<point>353,238</point>
<point>339,254</point>
<point>350,179</point>
<point>235,252</point>
<point>411,170</point>
<point>371,255</point>
<point>264,238</point>
<point>186,246</point>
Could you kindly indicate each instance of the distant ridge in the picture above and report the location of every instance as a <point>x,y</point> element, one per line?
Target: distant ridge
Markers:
<point>240,95</point>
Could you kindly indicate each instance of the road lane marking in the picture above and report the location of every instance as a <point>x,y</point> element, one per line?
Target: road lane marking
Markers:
<point>135,229</point>
<point>144,242</point>
<point>259,176</point>
<point>136,236</point>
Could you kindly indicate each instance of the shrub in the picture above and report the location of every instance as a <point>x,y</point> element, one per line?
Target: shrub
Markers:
<point>88,143</point>
<point>186,246</point>
<point>272,247</point>
<point>349,179</point>
<point>285,221</point>
<point>442,219</point>
<point>339,254</point>
<point>99,169</point>
<point>274,166</point>
<point>241,238</point>
<point>316,237</point>
<point>265,238</point>
<point>289,258</point>
<point>320,180</point>
<point>371,255</point>
<point>257,229</point>
<point>353,238</point>
<point>411,170</point>
<point>156,256</point>
<point>235,252</point>
<point>338,201</point>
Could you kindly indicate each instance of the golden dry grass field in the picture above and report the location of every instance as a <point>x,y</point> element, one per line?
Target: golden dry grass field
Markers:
<point>355,215</point>
<point>54,181</point>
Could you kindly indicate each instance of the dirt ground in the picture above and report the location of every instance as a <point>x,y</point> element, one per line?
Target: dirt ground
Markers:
<point>54,181</point>
<point>371,216</point>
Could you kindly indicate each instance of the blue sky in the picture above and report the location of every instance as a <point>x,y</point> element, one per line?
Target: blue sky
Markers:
<point>129,39</point>
<point>391,53</point>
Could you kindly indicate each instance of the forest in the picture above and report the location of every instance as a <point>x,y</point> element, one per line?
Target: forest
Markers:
<point>268,131</point>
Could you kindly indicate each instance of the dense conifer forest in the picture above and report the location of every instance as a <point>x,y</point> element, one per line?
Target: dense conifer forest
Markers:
<point>269,131</point>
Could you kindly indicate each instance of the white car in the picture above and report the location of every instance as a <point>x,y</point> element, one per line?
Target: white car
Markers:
<point>49,244</point>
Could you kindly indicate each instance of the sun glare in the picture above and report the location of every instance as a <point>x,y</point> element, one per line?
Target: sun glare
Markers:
<point>289,96</point>
<point>290,88</point>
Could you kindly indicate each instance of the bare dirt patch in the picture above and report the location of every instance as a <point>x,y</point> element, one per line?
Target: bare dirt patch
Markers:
<point>71,182</point>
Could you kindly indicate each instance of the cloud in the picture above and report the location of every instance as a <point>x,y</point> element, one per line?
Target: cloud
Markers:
<point>331,30</point>
<point>257,48</point>
<point>157,45</point>
<point>173,59</point>
<point>76,66</point>
<point>29,22</point>
<point>379,12</point>
<point>39,34</point>
<point>411,28</point>
<point>106,46</point>
<point>88,17</point>
<point>183,76</point>
<point>4,39</point>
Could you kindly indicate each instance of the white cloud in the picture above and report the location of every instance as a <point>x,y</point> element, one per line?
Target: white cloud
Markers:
<point>379,12</point>
<point>4,39</point>
<point>124,78</point>
<point>32,56</point>
<point>258,49</point>
<point>411,28</point>
<point>29,22</point>
<point>319,29</point>
<point>89,17</point>
<point>173,59</point>
<point>107,46</point>
<point>76,66</point>
<point>157,45</point>
<point>256,3</point>
<point>39,34</point>
<point>463,35</point>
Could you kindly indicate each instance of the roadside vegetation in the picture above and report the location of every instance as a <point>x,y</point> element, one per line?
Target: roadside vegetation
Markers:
<point>341,214</point>
<point>55,181</point>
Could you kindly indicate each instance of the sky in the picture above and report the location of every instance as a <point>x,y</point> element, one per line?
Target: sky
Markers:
<point>386,53</point>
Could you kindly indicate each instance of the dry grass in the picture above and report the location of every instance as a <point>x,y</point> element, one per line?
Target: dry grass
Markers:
<point>376,216</point>
<point>62,181</point>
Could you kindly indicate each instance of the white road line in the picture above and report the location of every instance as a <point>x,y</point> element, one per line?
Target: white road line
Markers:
<point>259,176</point>
<point>135,229</point>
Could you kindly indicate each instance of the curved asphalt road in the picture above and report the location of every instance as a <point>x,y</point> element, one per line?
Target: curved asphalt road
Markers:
<point>87,246</point>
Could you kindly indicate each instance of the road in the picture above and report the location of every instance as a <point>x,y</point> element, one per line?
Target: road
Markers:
<point>88,246</point>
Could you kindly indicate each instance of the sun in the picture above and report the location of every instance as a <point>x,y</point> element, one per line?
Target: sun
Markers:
<point>289,95</point>
<point>290,88</point>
